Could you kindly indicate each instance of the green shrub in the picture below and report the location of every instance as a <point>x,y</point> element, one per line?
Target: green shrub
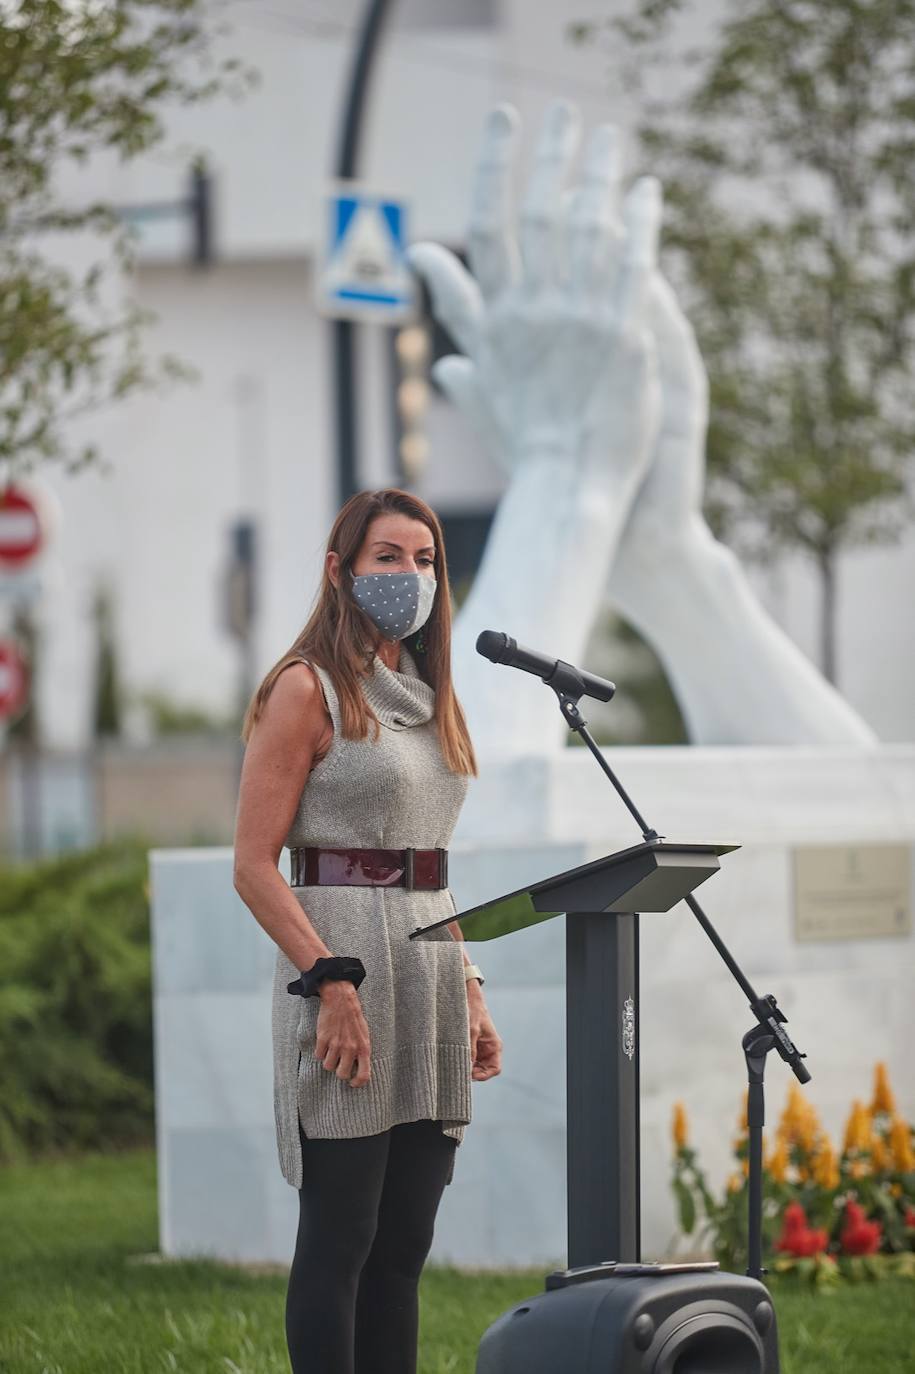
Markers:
<point>75,1002</point>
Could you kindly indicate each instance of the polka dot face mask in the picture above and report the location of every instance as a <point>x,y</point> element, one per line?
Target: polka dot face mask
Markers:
<point>396,603</point>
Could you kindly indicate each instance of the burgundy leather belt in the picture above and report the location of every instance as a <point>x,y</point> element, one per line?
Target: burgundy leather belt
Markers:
<point>416,869</point>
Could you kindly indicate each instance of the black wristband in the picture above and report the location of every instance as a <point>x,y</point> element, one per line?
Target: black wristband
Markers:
<point>342,968</point>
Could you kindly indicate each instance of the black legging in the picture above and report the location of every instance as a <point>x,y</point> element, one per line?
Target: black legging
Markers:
<point>367,1210</point>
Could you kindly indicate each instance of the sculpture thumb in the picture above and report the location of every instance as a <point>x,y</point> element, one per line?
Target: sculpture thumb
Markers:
<point>684,380</point>
<point>457,378</point>
<point>456,299</point>
<point>678,351</point>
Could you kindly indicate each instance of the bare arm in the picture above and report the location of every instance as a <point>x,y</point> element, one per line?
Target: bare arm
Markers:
<point>738,677</point>
<point>292,733</point>
<point>281,749</point>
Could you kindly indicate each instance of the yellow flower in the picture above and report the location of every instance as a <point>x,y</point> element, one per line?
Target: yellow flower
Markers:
<point>679,1128</point>
<point>880,1155</point>
<point>901,1146</point>
<point>778,1161</point>
<point>825,1169</point>
<point>858,1132</point>
<point>735,1183</point>
<point>883,1094</point>
<point>799,1123</point>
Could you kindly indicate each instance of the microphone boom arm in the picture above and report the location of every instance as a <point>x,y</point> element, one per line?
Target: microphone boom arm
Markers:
<point>765,1009</point>
<point>570,684</point>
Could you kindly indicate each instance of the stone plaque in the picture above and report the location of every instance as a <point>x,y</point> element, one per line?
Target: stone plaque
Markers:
<point>852,892</point>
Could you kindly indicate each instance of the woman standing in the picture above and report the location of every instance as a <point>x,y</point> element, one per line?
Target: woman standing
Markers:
<point>358,760</point>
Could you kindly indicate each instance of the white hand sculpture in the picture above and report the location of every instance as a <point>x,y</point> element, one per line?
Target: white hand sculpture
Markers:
<point>737,676</point>
<point>560,378</point>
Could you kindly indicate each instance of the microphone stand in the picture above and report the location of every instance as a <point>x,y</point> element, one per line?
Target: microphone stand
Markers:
<point>768,1034</point>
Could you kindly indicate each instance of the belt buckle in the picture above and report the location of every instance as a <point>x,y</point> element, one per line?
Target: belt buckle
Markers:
<point>409,860</point>
<point>442,867</point>
<point>297,867</point>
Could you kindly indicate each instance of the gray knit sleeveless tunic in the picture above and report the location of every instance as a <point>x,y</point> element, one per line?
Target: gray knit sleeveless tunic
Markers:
<point>389,794</point>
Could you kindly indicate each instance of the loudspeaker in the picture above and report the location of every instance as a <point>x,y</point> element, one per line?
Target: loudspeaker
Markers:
<point>703,1323</point>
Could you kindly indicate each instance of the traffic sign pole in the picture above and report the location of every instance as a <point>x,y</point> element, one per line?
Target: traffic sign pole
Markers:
<point>347,164</point>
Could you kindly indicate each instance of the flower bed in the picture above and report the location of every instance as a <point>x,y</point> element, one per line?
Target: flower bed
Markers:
<point>826,1215</point>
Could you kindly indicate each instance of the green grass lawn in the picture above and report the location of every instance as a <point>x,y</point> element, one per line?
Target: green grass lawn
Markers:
<point>74,1299</point>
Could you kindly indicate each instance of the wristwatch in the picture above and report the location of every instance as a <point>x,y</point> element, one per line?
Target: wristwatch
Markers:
<point>473,971</point>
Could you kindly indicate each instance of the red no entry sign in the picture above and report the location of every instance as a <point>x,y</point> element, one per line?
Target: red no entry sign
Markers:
<point>21,529</point>
<point>14,679</point>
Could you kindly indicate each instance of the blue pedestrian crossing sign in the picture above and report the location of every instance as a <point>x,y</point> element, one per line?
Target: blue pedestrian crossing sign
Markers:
<point>364,275</point>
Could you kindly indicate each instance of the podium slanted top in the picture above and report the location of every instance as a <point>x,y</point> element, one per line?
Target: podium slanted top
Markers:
<point>651,876</point>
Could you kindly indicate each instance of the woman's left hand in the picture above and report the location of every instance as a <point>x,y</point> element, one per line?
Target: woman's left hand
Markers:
<point>485,1044</point>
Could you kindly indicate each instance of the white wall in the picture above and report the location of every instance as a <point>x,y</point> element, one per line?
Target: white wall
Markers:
<point>848,1001</point>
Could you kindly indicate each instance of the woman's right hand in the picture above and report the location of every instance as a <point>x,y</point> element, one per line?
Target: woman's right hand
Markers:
<point>342,1033</point>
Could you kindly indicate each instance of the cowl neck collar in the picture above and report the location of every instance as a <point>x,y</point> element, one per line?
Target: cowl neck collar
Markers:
<point>402,698</point>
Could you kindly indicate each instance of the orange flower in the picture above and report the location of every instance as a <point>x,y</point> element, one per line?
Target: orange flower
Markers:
<point>883,1100</point>
<point>735,1183</point>
<point>799,1123</point>
<point>679,1127</point>
<point>880,1155</point>
<point>825,1170</point>
<point>901,1146</point>
<point>858,1132</point>
<point>778,1161</point>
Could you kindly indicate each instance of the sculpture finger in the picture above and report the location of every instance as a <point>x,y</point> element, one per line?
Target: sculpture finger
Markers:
<point>679,356</point>
<point>683,376</point>
<point>642,223</point>
<point>456,301</point>
<point>594,228</point>
<point>491,244</point>
<point>541,211</point>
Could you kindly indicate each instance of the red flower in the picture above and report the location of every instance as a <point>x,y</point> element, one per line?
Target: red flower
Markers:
<point>797,1238</point>
<point>859,1236</point>
<point>910,1218</point>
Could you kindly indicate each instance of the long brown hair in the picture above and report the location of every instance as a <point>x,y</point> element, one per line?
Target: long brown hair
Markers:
<point>339,637</point>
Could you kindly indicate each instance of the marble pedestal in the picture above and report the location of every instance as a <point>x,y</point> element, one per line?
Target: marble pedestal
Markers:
<point>848,1001</point>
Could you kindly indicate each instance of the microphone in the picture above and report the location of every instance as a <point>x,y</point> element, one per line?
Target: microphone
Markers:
<point>556,673</point>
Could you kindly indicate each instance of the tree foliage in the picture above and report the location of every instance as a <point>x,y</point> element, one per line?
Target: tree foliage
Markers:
<point>79,77</point>
<point>786,152</point>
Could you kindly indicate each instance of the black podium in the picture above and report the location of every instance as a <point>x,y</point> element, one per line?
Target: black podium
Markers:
<point>606,1311</point>
<point>600,901</point>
